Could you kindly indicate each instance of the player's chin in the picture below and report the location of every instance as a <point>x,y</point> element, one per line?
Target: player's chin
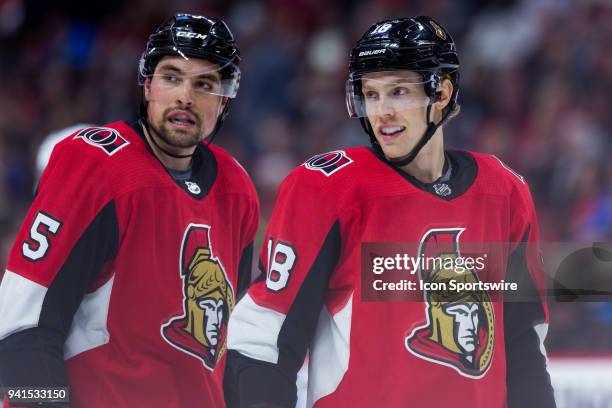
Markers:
<point>394,152</point>
<point>186,138</point>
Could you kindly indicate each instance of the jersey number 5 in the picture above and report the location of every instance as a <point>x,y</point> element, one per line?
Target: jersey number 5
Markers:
<point>38,245</point>
<point>281,260</point>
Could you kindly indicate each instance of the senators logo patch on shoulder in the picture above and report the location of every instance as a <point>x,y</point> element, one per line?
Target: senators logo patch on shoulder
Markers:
<point>104,138</point>
<point>328,163</point>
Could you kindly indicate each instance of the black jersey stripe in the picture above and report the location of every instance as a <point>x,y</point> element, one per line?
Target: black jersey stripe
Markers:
<point>527,380</point>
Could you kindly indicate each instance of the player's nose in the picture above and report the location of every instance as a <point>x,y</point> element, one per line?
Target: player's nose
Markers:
<point>185,94</point>
<point>385,108</point>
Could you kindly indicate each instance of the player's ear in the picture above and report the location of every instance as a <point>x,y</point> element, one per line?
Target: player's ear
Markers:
<point>443,94</point>
<point>147,89</point>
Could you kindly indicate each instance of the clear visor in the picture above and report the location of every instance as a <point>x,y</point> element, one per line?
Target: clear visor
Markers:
<point>205,79</point>
<point>384,93</point>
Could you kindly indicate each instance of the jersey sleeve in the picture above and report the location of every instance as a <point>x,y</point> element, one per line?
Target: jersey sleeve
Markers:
<point>526,314</point>
<point>272,326</point>
<point>67,236</point>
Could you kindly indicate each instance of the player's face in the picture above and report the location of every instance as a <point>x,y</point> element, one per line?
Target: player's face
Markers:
<point>213,310</point>
<point>466,325</point>
<point>395,104</point>
<point>181,108</point>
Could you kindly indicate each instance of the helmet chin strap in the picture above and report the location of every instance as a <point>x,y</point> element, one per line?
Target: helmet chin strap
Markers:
<point>220,119</point>
<point>429,132</point>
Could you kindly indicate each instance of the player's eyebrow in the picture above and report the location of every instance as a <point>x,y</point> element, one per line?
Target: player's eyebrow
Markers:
<point>172,68</point>
<point>212,75</point>
<point>369,83</point>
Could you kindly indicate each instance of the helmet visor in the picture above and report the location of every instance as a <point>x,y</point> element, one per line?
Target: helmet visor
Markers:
<point>207,78</point>
<point>381,93</point>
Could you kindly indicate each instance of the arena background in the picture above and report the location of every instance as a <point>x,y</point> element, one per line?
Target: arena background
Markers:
<point>535,83</point>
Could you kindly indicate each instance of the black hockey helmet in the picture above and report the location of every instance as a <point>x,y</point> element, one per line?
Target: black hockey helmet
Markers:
<point>193,36</point>
<point>416,44</point>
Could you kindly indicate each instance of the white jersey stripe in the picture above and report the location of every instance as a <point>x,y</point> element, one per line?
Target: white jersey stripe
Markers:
<point>253,330</point>
<point>89,326</point>
<point>330,352</point>
<point>21,302</point>
<point>542,329</point>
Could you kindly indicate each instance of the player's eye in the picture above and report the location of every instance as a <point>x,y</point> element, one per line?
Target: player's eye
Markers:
<point>400,91</point>
<point>203,85</point>
<point>207,85</point>
<point>170,78</point>
<point>371,95</point>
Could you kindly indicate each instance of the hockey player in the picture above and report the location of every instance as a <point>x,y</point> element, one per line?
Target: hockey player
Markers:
<point>467,349</point>
<point>122,279</point>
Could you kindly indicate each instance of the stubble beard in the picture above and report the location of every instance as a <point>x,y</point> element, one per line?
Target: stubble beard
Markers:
<point>177,137</point>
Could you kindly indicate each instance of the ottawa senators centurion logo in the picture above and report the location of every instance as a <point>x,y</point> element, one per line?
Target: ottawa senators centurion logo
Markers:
<point>459,332</point>
<point>208,300</point>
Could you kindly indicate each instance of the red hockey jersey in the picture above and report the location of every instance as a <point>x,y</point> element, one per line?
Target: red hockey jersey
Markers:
<point>433,352</point>
<point>127,274</point>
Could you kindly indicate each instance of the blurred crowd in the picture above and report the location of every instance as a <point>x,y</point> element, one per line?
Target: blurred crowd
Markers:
<point>535,78</point>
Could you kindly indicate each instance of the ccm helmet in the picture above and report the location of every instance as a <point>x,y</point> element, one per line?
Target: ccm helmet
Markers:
<point>416,44</point>
<point>192,36</point>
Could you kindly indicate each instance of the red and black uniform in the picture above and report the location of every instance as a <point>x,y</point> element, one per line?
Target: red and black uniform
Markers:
<point>107,283</point>
<point>391,354</point>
